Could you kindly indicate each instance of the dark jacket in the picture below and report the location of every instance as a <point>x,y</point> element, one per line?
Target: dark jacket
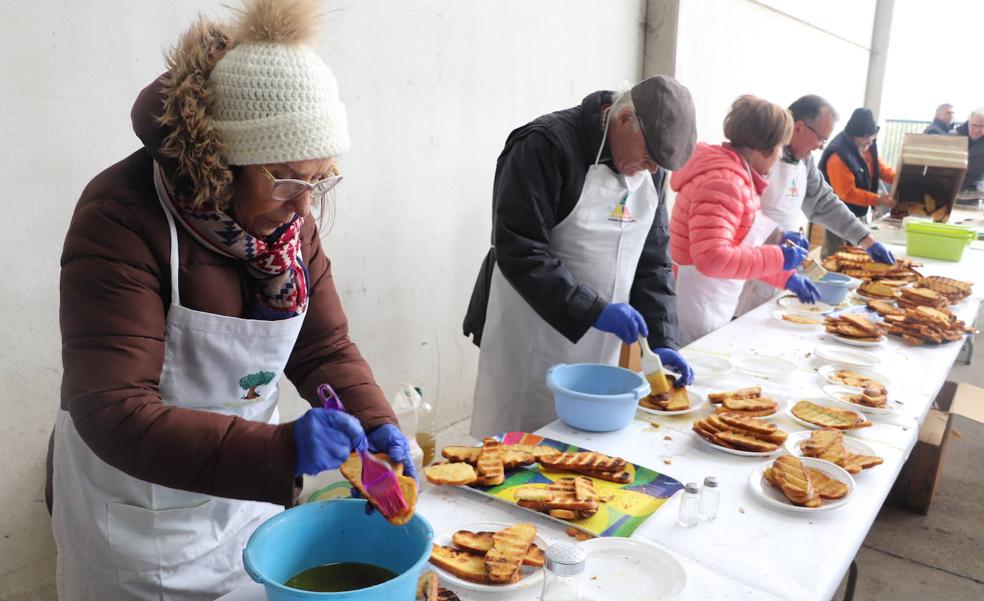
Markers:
<point>938,127</point>
<point>974,179</point>
<point>538,181</point>
<point>864,178</point>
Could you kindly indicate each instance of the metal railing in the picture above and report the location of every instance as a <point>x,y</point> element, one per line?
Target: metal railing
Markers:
<point>891,136</point>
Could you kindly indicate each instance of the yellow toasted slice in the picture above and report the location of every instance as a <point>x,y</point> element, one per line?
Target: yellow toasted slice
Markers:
<point>562,514</point>
<point>481,542</point>
<point>352,470</point>
<point>462,454</point>
<point>584,489</point>
<point>853,463</point>
<point>789,475</point>
<point>800,319</point>
<point>750,424</point>
<point>622,476</point>
<point>491,469</point>
<point>752,392</point>
<point>450,474</point>
<point>751,405</point>
<point>826,486</point>
<point>509,547</point>
<point>583,460</point>
<point>820,441</point>
<point>462,564</point>
<point>745,442</point>
<point>828,417</point>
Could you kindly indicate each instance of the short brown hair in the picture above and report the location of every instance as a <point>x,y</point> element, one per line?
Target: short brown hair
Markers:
<point>757,124</point>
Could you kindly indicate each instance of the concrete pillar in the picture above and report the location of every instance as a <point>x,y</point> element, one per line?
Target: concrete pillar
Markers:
<point>880,32</point>
<point>660,38</point>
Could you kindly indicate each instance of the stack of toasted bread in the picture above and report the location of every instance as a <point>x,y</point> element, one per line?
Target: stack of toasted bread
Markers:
<point>803,486</point>
<point>927,324</point>
<point>884,307</point>
<point>484,465</point>
<point>911,298</point>
<point>590,463</point>
<point>747,402</point>
<point>566,499</point>
<point>874,396</point>
<point>855,262</point>
<point>829,417</point>
<point>879,290</point>
<point>489,557</point>
<point>954,290</point>
<point>739,432</point>
<point>855,380</point>
<point>676,399</point>
<point>855,327</point>
<point>352,470</point>
<point>828,444</point>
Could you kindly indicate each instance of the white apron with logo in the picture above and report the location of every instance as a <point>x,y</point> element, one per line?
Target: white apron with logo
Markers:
<point>123,538</point>
<point>782,202</point>
<point>600,243</point>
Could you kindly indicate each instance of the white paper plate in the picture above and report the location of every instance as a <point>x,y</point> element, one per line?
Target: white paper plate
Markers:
<point>778,316</point>
<point>832,405</point>
<point>846,356</point>
<point>852,342</point>
<point>738,452</point>
<point>708,366</point>
<point>852,445</point>
<point>773,497</point>
<point>626,568</point>
<point>828,371</point>
<point>793,304</point>
<point>838,391</point>
<point>764,366</point>
<point>530,576</point>
<point>696,402</point>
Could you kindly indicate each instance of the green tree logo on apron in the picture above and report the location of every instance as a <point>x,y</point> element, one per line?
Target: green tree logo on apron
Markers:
<point>253,381</point>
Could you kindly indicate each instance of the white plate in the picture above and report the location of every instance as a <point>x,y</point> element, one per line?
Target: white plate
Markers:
<point>708,366</point>
<point>828,371</point>
<point>853,342</point>
<point>822,404</point>
<point>773,497</point>
<point>778,314</point>
<point>839,391</point>
<point>793,304</point>
<point>626,568</point>
<point>852,445</point>
<point>738,452</point>
<point>764,366</point>
<point>846,356</point>
<point>530,576</point>
<point>696,402</point>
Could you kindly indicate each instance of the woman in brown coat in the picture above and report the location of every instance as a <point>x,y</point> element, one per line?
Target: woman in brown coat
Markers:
<point>192,278</point>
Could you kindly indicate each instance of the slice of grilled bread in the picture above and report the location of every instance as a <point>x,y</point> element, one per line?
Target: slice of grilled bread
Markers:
<point>462,454</point>
<point>509,547</point>
<point>756,404</point>
<point>481,542</point>
<point>583,460</point>
<point>744,442</point>
<point>491,469</point>
<point>738,422</point>
<point>621,477</point>
<point>752,392</point>
<point>562,514</point>
<point>352,470</point>
<point>853,463</point>
<point>826,486</point>
<point>789,475</point>
<point>450,474</point>
<point>828,417</point>
<point>462,564</point>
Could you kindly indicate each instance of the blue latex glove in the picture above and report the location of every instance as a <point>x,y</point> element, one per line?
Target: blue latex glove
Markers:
<point>623,321</point>
<point>797,238</point>
<point>803,289</point>
<point>323,440</point>
<point>677,364</point>
<point>792,256</point>
<point>880,253</point>
<point>390,440</point>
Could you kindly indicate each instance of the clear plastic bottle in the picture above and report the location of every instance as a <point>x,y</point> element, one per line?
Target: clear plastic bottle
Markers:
<point>426,427</point>
<point>690,505</point>
<point>564,565</point>
<point>710,497</point>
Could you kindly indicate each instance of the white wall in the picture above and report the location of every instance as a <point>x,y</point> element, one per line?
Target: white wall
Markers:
<point>432,88</point>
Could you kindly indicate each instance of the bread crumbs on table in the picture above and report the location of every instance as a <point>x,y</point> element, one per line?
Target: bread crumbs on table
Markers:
<point>741,510</point>
<point>667,461</point>
<point>667,437</point>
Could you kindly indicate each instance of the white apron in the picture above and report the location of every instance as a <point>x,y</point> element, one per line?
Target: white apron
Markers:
<point>782,202</point>
<point>600,243</point>
<point>123,538</point>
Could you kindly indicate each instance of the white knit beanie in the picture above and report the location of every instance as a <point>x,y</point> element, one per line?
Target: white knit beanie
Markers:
<point>274,99</point>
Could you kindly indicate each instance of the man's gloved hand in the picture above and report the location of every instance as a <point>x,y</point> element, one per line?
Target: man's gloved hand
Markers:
<point>323,440</point>
<point>797,238</point>
<point>792,256</point>
<point>623,321</point>
<point>803,288</point>
<point>390,440</point>
<point>676,363</point>
<point>880,253</point>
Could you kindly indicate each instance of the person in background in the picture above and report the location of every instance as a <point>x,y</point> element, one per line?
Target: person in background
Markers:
<point>718,233</point>
<point>943,121</point>
<point>796,187</point>
<point>850,165</point>
<point>580,260</point>
<point>973,129</point>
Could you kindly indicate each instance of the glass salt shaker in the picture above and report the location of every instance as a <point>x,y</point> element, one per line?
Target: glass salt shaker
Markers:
<point>689,505</point>
<point>709,499</point>
<point>562,577</point>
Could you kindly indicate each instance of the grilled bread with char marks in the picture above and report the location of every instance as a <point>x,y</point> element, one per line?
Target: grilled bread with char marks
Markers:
<point>752,392</point>
<point>481,542</point>
<point>509,547</point>
<point>583,460</point>
<point>828,417</point>
<point>789,475</point>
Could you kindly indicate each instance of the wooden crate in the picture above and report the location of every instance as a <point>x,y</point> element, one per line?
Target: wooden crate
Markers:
<point>928,176</point>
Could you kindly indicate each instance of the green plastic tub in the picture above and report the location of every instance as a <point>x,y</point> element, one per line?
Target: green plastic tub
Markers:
<point>937,240</point>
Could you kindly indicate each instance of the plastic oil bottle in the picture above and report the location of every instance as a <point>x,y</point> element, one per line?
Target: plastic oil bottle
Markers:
<point>426,428</point>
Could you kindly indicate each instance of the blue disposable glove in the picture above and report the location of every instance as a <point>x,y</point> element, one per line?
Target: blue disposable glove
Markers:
<point>797,238</point>
<point>390,440</point>
<point>803,289</point>
<point>323,440</point>
<point>677,364</point>
<point>623,321</point>
<point>880,253</point>
<point>792,256</point>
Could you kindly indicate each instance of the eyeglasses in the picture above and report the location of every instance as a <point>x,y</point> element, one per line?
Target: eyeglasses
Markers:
<point>289,189</point>
<point>820,139</point>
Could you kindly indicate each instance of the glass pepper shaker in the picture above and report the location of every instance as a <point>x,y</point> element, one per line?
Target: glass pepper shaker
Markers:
<point>709,499</point>
<point>689,505</point>
<point>564,565</point>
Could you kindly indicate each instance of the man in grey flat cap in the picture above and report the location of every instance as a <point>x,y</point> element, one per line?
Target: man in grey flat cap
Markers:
<point>580,256</point>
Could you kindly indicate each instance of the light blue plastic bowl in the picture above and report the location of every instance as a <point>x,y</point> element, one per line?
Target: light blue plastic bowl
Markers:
<point>596,397</point>
<point>834,287</point>
<point>331,532</point>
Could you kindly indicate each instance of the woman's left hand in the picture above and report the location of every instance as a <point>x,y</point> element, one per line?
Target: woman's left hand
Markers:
<point>390,440</point>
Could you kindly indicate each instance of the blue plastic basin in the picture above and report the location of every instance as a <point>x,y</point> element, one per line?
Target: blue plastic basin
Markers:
<point>333,532</point>
<point>596,397</point>
<point>834,287</point>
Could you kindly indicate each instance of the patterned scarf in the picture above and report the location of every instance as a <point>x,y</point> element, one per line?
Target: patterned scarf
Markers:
<point>279,278</point>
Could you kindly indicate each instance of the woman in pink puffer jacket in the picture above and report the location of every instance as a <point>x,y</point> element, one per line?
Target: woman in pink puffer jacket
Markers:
<point>718,234</point>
